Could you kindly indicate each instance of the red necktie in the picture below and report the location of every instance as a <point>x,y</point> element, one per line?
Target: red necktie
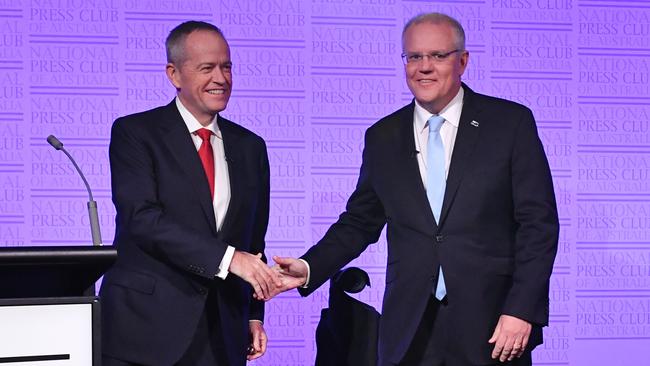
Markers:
<point>207,158</point>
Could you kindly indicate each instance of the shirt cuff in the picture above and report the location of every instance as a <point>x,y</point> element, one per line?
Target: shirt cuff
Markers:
<point>308,273</point>
<point>256,320</point>
<point>225,262</point>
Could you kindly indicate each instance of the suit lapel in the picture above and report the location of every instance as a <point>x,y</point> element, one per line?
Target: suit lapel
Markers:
<point>180,143</point>
<point>466,139</point>
<point>414,188</point>
<point>232,150</point>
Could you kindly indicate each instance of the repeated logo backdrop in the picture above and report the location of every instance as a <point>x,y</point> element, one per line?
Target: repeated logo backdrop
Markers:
<point>310,77</point>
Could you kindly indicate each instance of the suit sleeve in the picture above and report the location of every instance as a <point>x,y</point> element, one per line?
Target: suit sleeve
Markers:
<point>358,226</point>
<point>261,223</point>
<point>142,219</point>
<point>537,232</point>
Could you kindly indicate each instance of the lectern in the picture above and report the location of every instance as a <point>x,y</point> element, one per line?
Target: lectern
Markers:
<point>48,310</point>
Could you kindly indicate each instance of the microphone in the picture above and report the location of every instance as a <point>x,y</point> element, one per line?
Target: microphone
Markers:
<point>414,153</point>
<point>92,205</point>
<point>55,142</point>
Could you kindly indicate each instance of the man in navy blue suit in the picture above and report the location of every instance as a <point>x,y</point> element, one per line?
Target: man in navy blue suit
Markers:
<point>191,190</point>
<point>463,185</point>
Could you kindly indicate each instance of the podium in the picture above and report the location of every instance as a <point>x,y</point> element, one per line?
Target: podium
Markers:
<point>48,309</point>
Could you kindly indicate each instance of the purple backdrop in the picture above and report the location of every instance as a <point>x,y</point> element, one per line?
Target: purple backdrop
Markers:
<point>310,77</point>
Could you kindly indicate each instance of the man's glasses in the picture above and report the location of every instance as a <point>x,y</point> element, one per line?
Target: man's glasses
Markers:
<point>437,57</point>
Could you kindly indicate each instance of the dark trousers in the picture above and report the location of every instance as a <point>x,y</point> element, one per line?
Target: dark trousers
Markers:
<point>430,343</point>
<point>207,347</point>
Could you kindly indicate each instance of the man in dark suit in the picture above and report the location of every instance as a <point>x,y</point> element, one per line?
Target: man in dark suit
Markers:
<point>190,225</point>
<point>462,183</point>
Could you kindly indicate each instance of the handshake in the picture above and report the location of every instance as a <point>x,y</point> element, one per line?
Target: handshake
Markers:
<point>267,282</point>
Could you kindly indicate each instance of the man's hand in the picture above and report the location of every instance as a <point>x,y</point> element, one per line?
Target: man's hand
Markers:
<point>510,338</point>
<point>258,340</point>
<point>252,270</point>
<point>293,273</point>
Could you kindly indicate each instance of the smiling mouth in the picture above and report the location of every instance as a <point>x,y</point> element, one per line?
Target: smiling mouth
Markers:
<point>216,91</point>
<point>427,82</point>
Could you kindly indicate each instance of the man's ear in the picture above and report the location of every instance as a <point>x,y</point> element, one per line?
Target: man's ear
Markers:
<point>173,75</point>
<point>464,59</point>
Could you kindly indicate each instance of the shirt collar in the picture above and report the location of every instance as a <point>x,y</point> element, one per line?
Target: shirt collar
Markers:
<point>193,124</point>
<point>451,112</point>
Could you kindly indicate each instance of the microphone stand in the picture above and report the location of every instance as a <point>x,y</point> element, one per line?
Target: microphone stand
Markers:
<point>92,205</point>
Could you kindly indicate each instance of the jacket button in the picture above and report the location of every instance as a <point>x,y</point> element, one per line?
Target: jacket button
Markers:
<point>202,291</point>
<point>439,238</point>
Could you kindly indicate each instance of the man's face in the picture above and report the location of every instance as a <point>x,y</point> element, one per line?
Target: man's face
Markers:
<point>204,78</point>
<point>434,83</point>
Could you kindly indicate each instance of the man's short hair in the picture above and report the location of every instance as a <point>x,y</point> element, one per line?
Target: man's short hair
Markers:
<point>438,18</point>
<point>175,43</point>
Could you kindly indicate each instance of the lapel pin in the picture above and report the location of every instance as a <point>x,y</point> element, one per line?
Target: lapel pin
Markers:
<point>474,123</point>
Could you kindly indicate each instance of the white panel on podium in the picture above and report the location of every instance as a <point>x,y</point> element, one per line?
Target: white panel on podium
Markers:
<point>47,332</point>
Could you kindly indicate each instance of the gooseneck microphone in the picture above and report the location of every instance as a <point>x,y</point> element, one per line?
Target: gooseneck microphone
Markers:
<point>92,205</point>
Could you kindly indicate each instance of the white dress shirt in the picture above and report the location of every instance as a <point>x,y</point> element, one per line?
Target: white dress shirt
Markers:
<point>221,179</point>
<point>448,131</point>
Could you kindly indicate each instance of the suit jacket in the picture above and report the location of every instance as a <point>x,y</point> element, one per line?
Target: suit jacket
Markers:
<point>496,239</point>
<point>168,246</point>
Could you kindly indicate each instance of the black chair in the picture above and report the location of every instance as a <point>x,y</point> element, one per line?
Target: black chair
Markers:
<point>347,332</point>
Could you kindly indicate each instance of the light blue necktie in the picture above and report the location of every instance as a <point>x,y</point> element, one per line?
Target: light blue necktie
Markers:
<point>436,182</point>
